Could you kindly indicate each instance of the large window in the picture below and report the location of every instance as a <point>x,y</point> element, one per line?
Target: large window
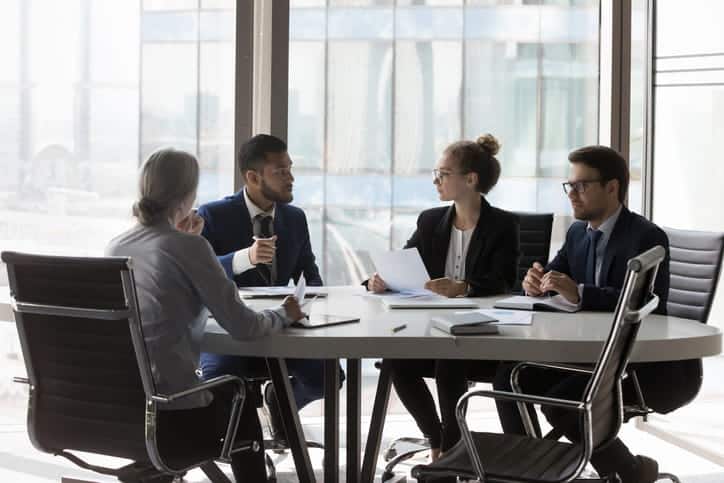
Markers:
<point>377,89</point>
<point>88,89</point>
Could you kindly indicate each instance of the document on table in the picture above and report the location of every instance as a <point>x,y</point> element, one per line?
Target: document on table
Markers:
<point>402,270</point>
<point>278,292</point>
<point>508,317</point>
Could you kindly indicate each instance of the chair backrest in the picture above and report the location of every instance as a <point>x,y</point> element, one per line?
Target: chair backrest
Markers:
<point>535,242</point>
<point>77,320</point>
<point>695,263</point>
<point>636,301</point>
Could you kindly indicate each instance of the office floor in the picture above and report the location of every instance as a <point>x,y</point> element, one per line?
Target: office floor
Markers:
<point>19,462</point>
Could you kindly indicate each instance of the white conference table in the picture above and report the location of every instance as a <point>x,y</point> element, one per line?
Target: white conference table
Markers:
<point>552,337</point>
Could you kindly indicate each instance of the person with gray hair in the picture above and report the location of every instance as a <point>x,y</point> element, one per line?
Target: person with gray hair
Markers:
<point>179,281</point>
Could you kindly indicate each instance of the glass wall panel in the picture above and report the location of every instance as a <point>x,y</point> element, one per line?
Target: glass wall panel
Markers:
<point>87,90</point>
<point>378,89</point>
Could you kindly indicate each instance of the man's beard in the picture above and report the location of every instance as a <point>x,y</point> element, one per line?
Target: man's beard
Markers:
<point>588,214</point>
<point>274,196</point>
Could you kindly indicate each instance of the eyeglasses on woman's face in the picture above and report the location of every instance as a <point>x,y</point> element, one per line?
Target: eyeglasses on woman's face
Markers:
<point>439,175</point>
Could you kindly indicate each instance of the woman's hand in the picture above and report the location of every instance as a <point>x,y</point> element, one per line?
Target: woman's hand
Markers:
<point>292,308</point>
<point>376,284</point>
<point>192,224</point>
<point>447,287</point>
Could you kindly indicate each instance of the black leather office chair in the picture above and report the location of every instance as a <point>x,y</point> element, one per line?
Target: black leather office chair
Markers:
<point>506,458</point>
<point>535,242</point>
<point>695,265</point>
<point>535,245</point>
<point>91,387</point>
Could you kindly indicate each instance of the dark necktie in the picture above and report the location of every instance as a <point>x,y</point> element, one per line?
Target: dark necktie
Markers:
<point>263,229</point>
<point>593,237</point>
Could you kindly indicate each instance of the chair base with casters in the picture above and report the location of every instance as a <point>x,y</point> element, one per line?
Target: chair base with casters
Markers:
<point>393,456</point>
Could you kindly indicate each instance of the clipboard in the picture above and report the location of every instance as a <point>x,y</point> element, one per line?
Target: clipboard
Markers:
<point>317,321</point>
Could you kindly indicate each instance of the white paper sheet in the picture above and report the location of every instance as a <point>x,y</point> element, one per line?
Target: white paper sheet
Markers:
<point>508,317</point>
<point>402,270</point>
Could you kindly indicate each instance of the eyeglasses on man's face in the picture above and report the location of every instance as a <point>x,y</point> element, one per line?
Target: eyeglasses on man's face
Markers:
<point>578,186</point>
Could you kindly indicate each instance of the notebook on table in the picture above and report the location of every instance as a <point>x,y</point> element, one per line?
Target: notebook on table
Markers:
<point>555,303</point>
<point>465,323</point>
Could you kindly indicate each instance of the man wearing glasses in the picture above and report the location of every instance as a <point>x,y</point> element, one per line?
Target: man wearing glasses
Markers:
<point>260,239</point>
<point>589,271</point>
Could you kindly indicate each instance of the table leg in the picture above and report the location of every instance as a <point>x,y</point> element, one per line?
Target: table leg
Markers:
<point>379,411</point>
<point>290,418</point>
<point>331,420</point>
<point>354,419</point>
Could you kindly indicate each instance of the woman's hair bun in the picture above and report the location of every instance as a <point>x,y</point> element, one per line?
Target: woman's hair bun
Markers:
<point>489,144</point>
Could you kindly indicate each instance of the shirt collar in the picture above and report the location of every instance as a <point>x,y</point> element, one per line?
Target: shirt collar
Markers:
<point>607,226</point>
<point>254,210</point>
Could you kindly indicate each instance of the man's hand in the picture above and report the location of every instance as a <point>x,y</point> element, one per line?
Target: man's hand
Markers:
<point>192,224</point>
<point>376,284</point>
<point>447,287</point>
<point>262,251</point>
<point>532,281</point>
<point>561,283</point>
<point>294,311</point>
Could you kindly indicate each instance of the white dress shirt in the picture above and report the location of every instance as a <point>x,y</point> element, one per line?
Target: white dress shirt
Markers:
<point>457,252</point>
<point>606,228</point>
<point>241,261</point>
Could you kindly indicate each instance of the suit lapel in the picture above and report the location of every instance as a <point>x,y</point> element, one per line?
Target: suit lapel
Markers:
<point>618,236</point>
<point>246,228</point>
<point>440,242</point>
<point>476,242</point>
<point>283,243</point>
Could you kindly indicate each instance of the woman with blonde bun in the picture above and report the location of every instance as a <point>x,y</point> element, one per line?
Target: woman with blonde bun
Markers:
<point>469,248</point>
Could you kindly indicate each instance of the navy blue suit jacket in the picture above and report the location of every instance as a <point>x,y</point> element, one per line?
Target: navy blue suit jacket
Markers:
<point>666,385</point>
<point>632,235</point>
<point>228,228</point>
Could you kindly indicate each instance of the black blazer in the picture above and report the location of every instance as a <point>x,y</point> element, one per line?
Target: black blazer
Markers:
<point>492,260</point>
<point>666,385</point>
<point>632,235</point>
<point>228,228</point>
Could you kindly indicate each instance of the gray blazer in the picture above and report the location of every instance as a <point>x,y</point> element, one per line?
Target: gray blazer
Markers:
<point>179,281</point>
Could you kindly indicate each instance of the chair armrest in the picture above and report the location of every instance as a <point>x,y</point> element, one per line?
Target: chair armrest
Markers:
<point>237,402</point>
<point>525,398</point>
<point>211,383</point>
<point>544,365</point>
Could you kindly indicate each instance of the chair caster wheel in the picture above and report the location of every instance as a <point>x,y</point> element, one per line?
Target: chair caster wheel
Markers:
<point>387,475</point>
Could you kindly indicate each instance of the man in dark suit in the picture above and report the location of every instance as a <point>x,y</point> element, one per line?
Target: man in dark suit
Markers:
<point>260,239</point>
<point>589,271</point>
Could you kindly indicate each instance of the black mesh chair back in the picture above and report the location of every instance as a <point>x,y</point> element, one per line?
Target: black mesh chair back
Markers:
<point>636,301</point>
<point>86,388</point>
<point>535,242</point>
<point>695,264</point>
<point>91,386</point>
